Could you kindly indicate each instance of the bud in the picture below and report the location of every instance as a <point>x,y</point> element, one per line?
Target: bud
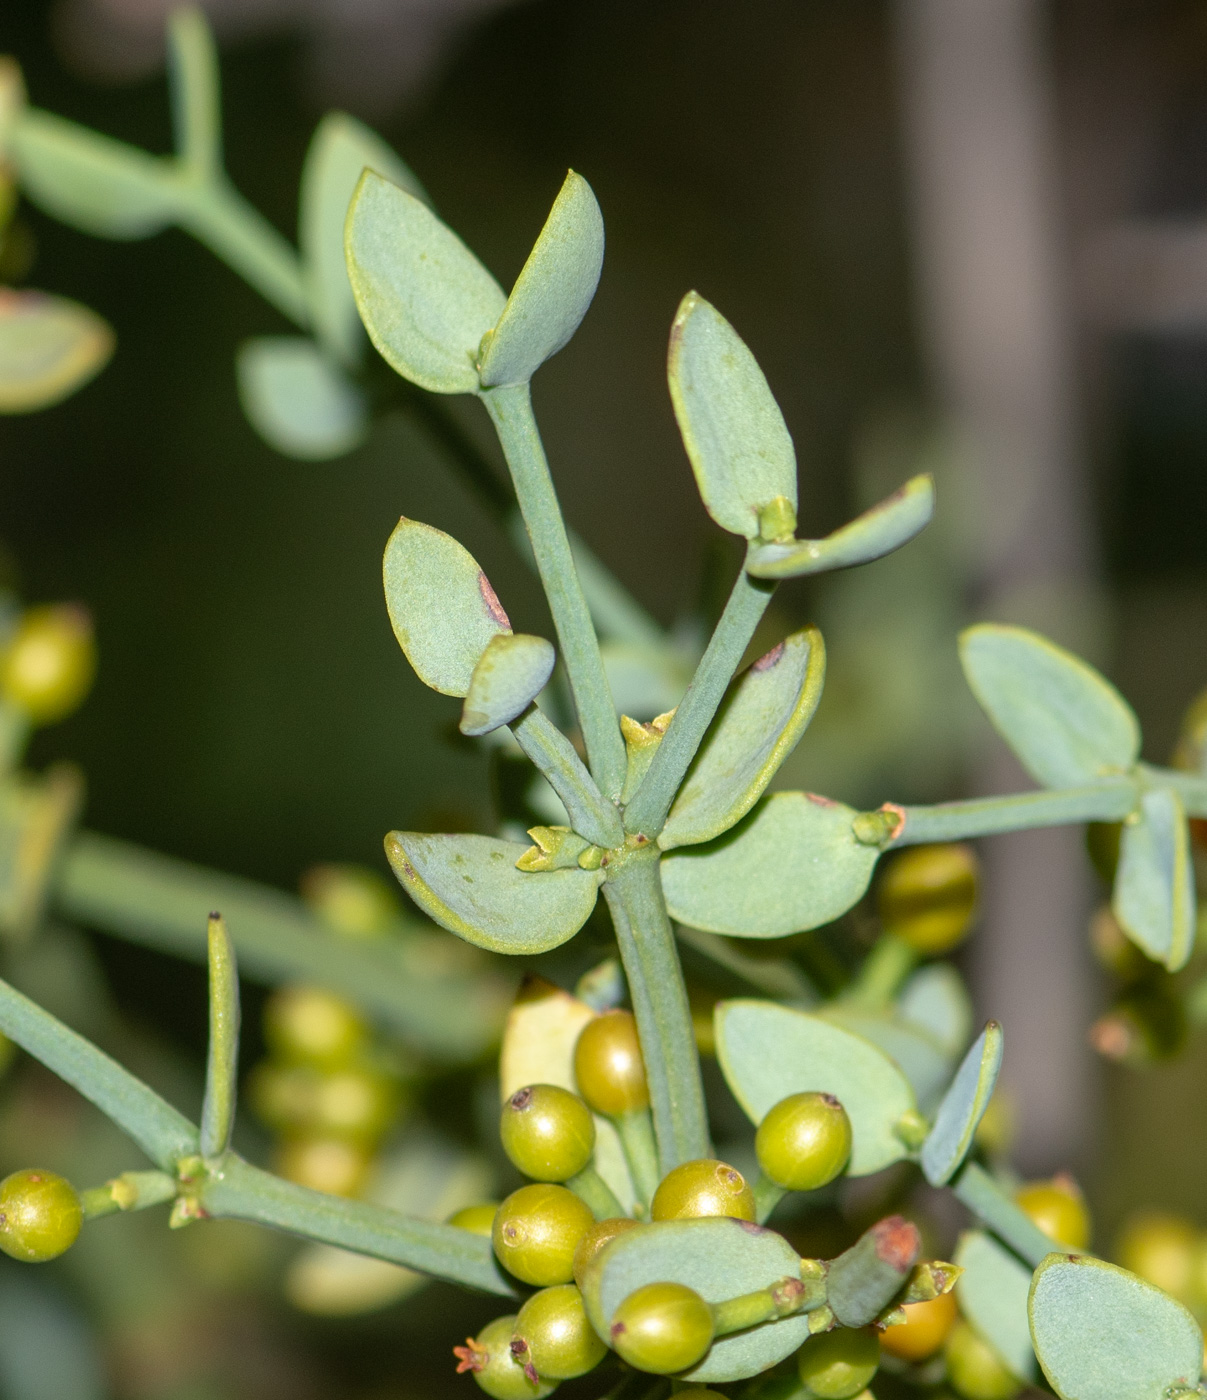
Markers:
<point>641,744</point>
<point>777,521</point>
<point>555,848</point>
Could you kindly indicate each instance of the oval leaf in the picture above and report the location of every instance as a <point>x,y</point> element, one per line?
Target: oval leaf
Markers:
<point>1066,723</point>
<point>470,886</point>
<point>510,674</point>
<point>887,526</point>
<point>936,1000</point>
<point>340,151</point>
<point>720,1258</point>
<point>442,607</point>
<point>297,400</point>
<point>1154,898</point>
<point>794,864</point>
<point>49,348</point>
<point>1101,1333</point>
<point>761,721</point>
<point>732,428</point>
<point>922,1060</point>
<point>426,301</point>
<point>553,290</point>
<point>767,1052</point>
<point>992,1293</point>
<point>90,181</point>
<point>963,1107</point>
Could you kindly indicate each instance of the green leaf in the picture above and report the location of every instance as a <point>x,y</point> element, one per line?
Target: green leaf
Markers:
<point>99,185</point>
<point>341,149</point>
<point>992,1293</point>
<point>793,864</point>
<point>1101,1333</point>
<point>297,400</point>
<point>936,1000</point>
<point>442,607</point>
<point>887,526</point>
<point>963,1107</point>
<point>222,1061</point>
<point>49,348</point>
<point>767,1052</point>
<point>720,1258</point>
<point>1154,898</point>
<point>761,721</point>
<point>195,86</point>
<point>424,298</point>
<point>732,428</point>
<point>1066,723</point>
<point>645,681</point>
<point>470,886</point>
<point>510,674</point>
<point>553,290</point>
<point>163,1134</point>
<point>923,1061</point>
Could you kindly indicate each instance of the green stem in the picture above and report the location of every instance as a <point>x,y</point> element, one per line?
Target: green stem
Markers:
<point>236,1190</point>
<point>636,1130</point>
<point>511,413</point>
<point>222,1061</point>
<point>668,1045</point>
<point>1108,801</point>
<point>767,1195</point>
<point>591,814</point>
<point>784,1299</point>
<point>592,1189</point>
<point>196,114</point>
<point>1190,787</point>
<point>985,1198</point>
<point>881,974</point>
<point>130,1191</point>
<point>647,810</point>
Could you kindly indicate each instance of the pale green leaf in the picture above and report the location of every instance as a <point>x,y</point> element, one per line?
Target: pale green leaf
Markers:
<point>887,526</point>
<point>793,864</point>
<point>1066,723</point>
<point>732,428</point>
<point>298,400</point>
<point>1154,898</point>
<point>49,348</point>
<point>470,886</point>
<point>923,1061</point>
<point>424,298</point>
<point>645,681</point>
<point>553,290</point>
<point>341,149</point>
<point>442,607</point>
<point>1103,1334</point>
<point>992,1293</point>
<point>510,674</point>
<point>767,1052</point>
<point>936,1000</point>
<point>963,1107</point>
<point>99,185</point>
<point>718,1257</point>
<point>759,724</point>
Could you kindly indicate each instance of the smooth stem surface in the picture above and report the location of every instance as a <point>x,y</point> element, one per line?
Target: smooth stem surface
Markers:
<point>664,1024</point>
<point>130,1191</point>
<point>238,1191</point>
<point>591,814</point>
<point>1108,801</point>
<point>196,116</point>
<point>1190,787</point>
<point>511,413</point>
<point>767,1195</point>
<point>646,812</point>
<point>984,1197</point>
<point>222,1061</point>
<point>592,1189</point>
<point>881,974</point>
<point>640,1146</point>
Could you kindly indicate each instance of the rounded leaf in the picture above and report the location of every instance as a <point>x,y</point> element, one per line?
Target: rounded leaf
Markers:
<point>49,348</point>
<point>919,1056</point>
<point>510,674</point>
<point>936,1000</point>
<point>992,1293</point>
<point>963,1107</point>
<point>1154,897</point>
<point>297,400</point>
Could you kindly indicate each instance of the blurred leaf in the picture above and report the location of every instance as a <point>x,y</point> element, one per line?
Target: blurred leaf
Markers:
<point>442,607</point>
<point>196,91</point>
<point>553,291</point>
<point>510,674</point>
<point>1101,1333</point>
<point>793,864</point>
<point>99,185</point>
<point>1067,724</point>
<point>767,1052</point>
<point>887,526</point>
<point>963,1107</point>
<point>426,301</point>
<point>720,1258</point>
<point>923,1061</point>
<point>340,151</point>
<point>992,1293</point>
<point>470,886</point>
<point>732,428</point>
<point>49,348</point>
<point>644,681</point>
<point>1154,898</point>
<point>46,1349</point>
<point>297,400</point>
<point>936,999</point>
<point>762,718</point>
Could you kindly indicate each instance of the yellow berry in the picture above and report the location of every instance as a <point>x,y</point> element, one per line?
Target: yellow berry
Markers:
<point>40,1215</point>
<point>552,1333</point>
<point>1058,1208</point>
<point>662,1328</point>
<point>838,1365</point>
<point>311,1026</point>
<point>536,1231</point>
<point>353,901</point>
<point>601,1233</point>
<point>1162,1249</point>
<point>925,1329</point>
<point>927,897</point>
<point>478,1220</point>
<point>975,1369</point>
<point>608,1065</point>
<point>703,1187</point>
<point>331,1165</point>
<point>547,1132</point>
<point>804,1141</point>
<point>50,662</point>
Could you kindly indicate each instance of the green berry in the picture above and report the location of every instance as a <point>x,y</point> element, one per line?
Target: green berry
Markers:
<point>701,1188</point>
<point>477,1219</point>
<point>488,1358</point>
<point>40,1216</point>
<point>48,667</point>
<point>663,1328</point>
<point>975,1369</point>
<point>536,1231</point>
<point>928,895</point>
<point>547,1132</point>
<point>804,1141</point>
<point>601,1233</point>
<point>553,1334</point>
<point>839,1364</point>
<point>608,1065</point>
